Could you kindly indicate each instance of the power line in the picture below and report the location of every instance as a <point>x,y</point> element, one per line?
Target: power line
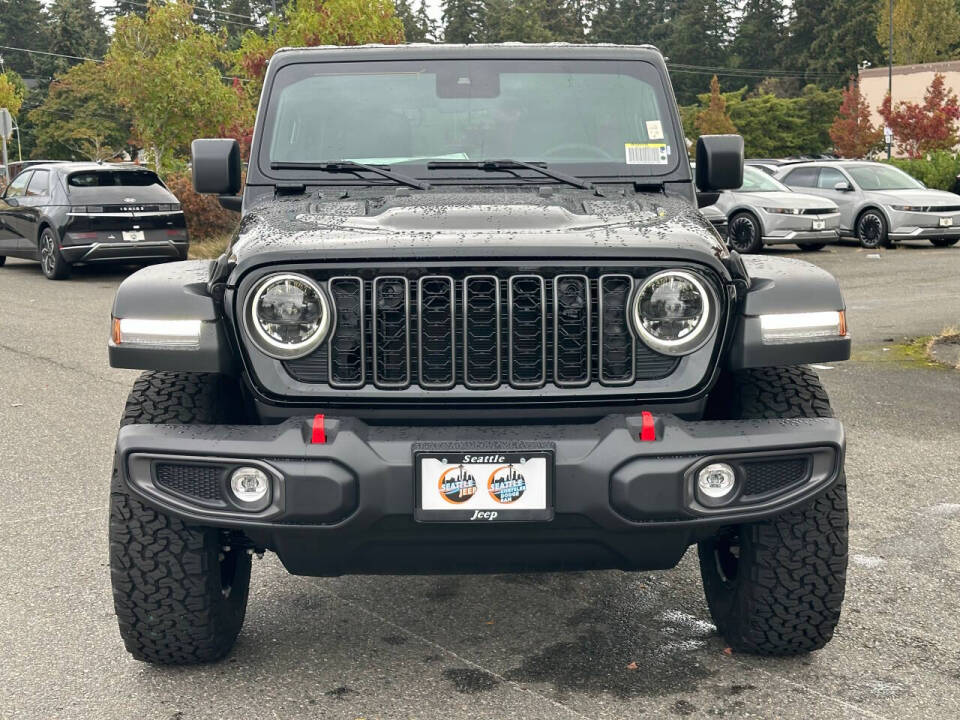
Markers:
<point>77,57</point>
<point>750,72</point>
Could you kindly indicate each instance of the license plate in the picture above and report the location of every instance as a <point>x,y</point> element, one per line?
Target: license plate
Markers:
<point>946,222</point>
<point>819,224</point>
<point>133,235</point>
<point>469,486</point>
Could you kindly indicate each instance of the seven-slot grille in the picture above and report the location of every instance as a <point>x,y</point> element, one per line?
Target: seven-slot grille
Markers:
<point>481,331</point>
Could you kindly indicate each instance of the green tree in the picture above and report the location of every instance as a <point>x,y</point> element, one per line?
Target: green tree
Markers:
<point>166,73</point>
<point>418,26</point>
<point>714,120</point>
<point>462,20</point>
<point>631,22</point>
<point>11,92</point>
<point>22,24</point>
<point>923,30</point>
<point>80,118</point>
<point>76,28</point>
<point>307,23</point>
<point>828,39</point>
<point>759,35</point>
<point>697,34</point>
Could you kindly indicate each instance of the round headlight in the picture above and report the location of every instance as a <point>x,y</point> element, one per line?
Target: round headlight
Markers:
<point>674,313</point>
<point>288,315</point>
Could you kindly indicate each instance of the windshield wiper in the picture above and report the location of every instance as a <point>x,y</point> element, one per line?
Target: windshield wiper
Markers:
<point>490,165</point>
<point>351,166</point>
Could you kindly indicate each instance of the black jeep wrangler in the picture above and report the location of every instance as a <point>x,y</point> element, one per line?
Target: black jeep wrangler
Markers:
<point>472,321</point>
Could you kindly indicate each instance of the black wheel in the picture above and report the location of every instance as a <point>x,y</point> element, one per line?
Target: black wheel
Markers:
<point>51,261</point>
<point>744,234</point>
<point>3,260</point>
<point>179,591</point>
<point>872,230</point>
<point>938,242</point>
<point>811,247</point>
<point>776,587</point>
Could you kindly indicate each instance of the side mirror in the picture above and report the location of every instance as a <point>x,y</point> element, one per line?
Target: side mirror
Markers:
<point>216,166</point>
<point>719,162</point>
<point>843,187</point>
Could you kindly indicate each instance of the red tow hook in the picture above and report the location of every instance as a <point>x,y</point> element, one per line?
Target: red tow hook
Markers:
<point>318,435</point>
<point>648,428</point>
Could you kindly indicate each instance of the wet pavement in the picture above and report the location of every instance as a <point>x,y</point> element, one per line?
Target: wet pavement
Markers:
<point>580,645</point>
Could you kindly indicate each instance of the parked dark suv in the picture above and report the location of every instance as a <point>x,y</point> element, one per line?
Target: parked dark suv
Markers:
<point>64,214</point>
<point>473,321</point>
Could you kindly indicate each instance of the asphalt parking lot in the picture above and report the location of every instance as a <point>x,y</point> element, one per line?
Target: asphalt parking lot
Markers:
<point>586,645</point>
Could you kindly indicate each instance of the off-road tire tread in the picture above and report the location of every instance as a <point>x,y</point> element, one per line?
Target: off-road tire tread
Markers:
<point>165,574</point>
<point>795,562</point>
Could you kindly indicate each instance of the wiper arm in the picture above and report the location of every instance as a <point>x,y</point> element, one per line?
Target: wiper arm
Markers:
<point>490,165</point>
<point>351,166</point>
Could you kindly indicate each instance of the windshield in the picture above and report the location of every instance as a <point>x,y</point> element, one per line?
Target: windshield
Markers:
<point>592,117</point>
<point>882,177</point>
<point>758,181</point>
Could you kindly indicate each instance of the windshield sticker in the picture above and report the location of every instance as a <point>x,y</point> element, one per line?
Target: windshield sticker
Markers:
<point>646,153</point>
<point>654,130</point>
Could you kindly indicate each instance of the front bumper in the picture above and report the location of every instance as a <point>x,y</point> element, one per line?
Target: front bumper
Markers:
<point>779,228</point>
<point>906,232</point>
<point>347,504</point>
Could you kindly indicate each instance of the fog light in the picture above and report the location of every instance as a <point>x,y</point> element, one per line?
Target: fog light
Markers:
<point>716,481</point>
<point>250,485</point>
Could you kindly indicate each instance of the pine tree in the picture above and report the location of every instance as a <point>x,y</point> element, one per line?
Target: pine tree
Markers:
<point>76,28</point>
<point>418,26</point>
<point>22,24</point>
<point>759,35</point>
<point>698,34</point>
<point>461,20</point>
<point>631,22</point>
<point>846,38</point>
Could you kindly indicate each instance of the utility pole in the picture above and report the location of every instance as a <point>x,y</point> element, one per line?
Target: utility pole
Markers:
<point>889,135</point>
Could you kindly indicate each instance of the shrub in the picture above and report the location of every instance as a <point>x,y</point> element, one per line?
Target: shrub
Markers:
<point>935,170</point>
<point>206,218</point>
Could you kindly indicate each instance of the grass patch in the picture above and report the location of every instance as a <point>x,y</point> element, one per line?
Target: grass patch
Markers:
<point>208,248</point>
<point>913,353</point>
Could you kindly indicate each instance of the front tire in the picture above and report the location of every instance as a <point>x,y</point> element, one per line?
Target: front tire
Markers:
<point>51,261</point>
<point>937,242</point>
<point>872,230</point>
<point>744,234</point>
<point>179,591</point>
<point>776,587</point>
<point>3,260</point>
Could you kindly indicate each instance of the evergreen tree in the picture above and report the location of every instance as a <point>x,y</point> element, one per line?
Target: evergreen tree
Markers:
<point>22,24</point>
<point>461,20</point>
<point>846,38</point>
<point>631,22</point>
<point>759,35</point>
<point>714,119</point>
<point>923,30</point>
<point>418,26</point>
<point>804,27</point>
<point>697,34</point>
<point>76,28</point>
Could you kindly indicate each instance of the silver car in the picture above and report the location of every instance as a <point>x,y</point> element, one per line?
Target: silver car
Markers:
<point>765,212</point>
<point>880,204</point>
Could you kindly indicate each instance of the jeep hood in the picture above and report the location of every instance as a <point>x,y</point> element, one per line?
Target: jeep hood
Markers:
<point>528,224</point>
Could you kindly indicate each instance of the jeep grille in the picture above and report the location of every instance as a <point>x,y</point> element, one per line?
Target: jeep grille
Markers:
<point>481,331</point>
